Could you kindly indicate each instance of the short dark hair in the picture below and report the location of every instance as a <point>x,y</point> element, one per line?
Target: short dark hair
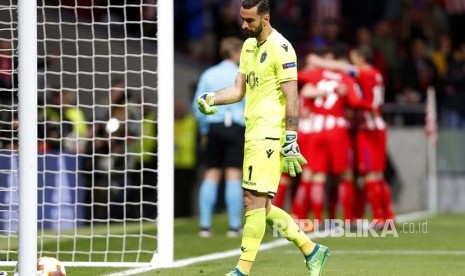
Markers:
<point>228,45</point>
<point>366,52</point>
<point>263,6</point>
<point>322,51</point>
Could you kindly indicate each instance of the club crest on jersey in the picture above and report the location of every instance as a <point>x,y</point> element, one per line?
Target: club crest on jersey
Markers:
<point>289,65</point>
<point>263,57</point>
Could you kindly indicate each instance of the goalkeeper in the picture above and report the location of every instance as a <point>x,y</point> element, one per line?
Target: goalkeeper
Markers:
<point>268,78</point>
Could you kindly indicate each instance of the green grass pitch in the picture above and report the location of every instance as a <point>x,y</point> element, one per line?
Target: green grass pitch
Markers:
<point>432,246</point>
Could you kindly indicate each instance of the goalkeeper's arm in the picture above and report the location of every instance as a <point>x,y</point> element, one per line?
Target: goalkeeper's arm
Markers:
<point>290,150</point>
<point>232,94</point>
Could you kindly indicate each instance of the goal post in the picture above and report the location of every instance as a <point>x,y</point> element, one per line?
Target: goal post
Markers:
<point>166,129</point>
<point>95,161</point>
<point>27,115</point>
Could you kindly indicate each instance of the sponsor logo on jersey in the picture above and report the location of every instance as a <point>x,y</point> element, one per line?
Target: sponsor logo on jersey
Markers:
<point>289,65</point>
<point>252,80</point>
<point>285,47</point>
<point>269,152</point>
<point>250,183</point>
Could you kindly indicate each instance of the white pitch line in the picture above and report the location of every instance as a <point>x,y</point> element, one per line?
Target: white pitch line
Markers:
<point>400,252</point>
<point>237,252</point>
<point>392,252</point>
<point>414,216</point>
<point>216,256</point>
<point>265,246</point>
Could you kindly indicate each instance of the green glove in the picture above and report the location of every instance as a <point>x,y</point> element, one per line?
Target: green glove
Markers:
<point>291,152</point>
<point>206,103</point>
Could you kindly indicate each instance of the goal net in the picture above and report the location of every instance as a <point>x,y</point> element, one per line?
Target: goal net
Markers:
<point>97,132</point>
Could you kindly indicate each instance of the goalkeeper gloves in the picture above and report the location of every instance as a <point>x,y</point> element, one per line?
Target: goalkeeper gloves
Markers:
<point>291,152</point>
<point>206,103</point>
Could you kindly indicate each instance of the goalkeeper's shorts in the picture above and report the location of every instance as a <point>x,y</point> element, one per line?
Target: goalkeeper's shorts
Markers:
<point>262,165</point>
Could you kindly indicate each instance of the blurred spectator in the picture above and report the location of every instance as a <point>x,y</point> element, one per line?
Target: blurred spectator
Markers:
<point>49,118</point>
<point>144,149</point>
<point>385,42</point>
<point>422,19</point>
<point>64,123</point>
<point>455,12</point>
<point>84,10</point>
<point>8,129</point>
<point>418,72</point>
<point>360,13</point>
<point>453,104</point>
<point>185,157</point>
<point>200,43</point>
<point>441,55</point>
<point>333,37</point>
<point>324,9</point>
<point>8,112</point>
<point>108,156</point>
<point>364,39</point>
<point>109,104</point>
<point>437,17</point>
<point>313,42</point>
<point>148,16</point>
<point>288,18</point>
<point>226,20</point>
<point>74,121</point>
<point>117,105</point>
<point>8,77</point>
<point>140,17</point>
<point>323,35</point>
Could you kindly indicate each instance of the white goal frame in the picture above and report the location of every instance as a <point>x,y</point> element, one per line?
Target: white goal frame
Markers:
<point>165,90</point>
<point>28,187</point>
<point>27,96</point>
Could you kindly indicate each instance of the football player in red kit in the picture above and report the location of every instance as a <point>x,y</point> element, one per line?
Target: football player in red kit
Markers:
<point>330,152</point>
<point>371,132</point>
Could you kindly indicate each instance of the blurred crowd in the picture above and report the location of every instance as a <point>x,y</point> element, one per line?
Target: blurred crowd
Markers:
<point>113,135</point>
<point>416,43</point>
<point>128,12</point>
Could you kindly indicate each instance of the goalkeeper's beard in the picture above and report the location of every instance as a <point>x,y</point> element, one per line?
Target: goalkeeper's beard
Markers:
<point>249,33</point>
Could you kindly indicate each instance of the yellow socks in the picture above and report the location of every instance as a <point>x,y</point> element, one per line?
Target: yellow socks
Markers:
<point>252,235</point>
<point>307,248</point>
<point>254,229</point>
<point>281,221</point>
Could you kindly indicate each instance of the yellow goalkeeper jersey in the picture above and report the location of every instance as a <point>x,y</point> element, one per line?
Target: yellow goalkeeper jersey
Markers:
<point>266,66</point>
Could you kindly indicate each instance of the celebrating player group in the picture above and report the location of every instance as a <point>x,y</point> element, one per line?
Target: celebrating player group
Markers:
<point>342,133</point>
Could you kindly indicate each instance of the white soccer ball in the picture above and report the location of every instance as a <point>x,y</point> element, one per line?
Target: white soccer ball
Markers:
<point>50,266</point>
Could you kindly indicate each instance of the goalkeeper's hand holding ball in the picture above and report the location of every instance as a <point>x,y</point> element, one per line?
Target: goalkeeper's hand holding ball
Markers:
<point>206,103</point>
<point>293,160</point>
